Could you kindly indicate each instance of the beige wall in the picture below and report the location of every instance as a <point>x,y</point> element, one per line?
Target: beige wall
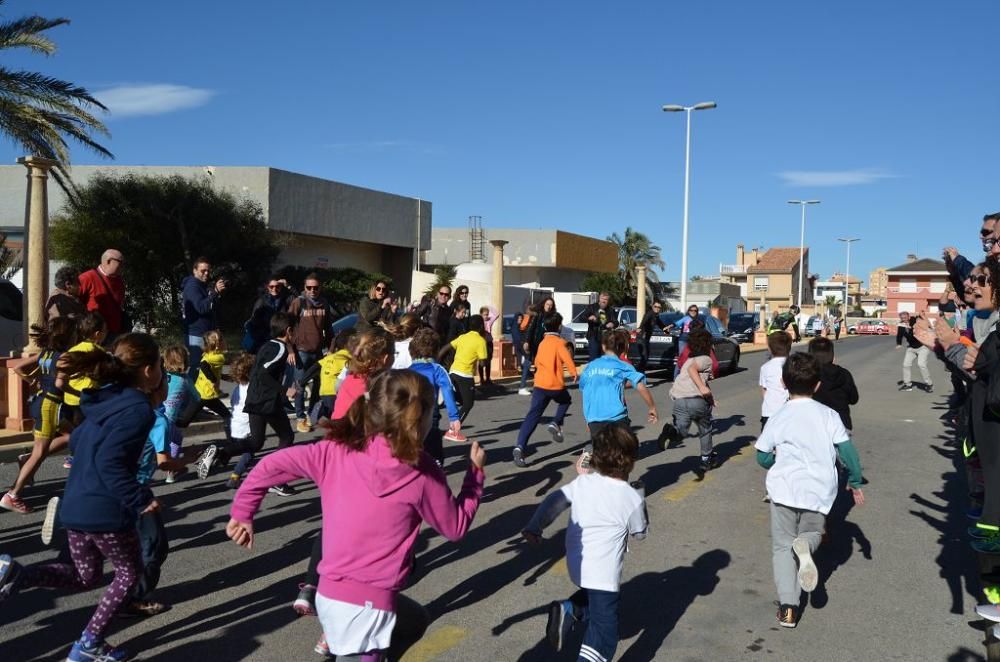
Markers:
<point>574,251</point>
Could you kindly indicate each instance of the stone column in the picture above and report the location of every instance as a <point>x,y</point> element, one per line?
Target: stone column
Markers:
<point>640,292</point>
<point>36,268</point>
<point>498,245</point>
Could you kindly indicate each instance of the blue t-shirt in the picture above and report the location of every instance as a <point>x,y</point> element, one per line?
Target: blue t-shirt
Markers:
<point>159,439</point>
<point>180,392</point>
<point>603,387</point>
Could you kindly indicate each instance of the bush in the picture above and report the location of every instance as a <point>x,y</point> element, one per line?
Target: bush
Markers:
<point>343,288</point>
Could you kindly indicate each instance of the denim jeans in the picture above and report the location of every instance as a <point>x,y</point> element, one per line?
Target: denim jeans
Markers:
<point>694,410</point>
<point>304,361</point>
<point>540,399</point>
<point>593,347</point>
<point>599,610</point>
<point>525,369</point>
<point>195,347</point>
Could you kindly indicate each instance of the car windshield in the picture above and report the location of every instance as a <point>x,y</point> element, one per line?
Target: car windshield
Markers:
<point>740,321</point>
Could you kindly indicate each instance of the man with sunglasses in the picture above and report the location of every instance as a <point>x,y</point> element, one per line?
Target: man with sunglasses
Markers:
<point>312,336</point>
<point>103,290</point>
<point>958,266</point>
<point>435,312</point>
<point>199,299</point>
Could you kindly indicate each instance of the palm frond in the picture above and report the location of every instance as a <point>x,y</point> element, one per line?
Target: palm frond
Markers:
<point>38,88</point>
<point>26,33</point>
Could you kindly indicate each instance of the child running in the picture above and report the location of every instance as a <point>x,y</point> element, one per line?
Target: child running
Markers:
<point>210,376</point>
<point>402,333</point>
<point>51,430</point>
<point>103,499</point>
<point>603,384</point>
<point>239,424</point>
<point>264,404</point>
<point>772,390</point>
<point>329,368</point>
<point>423,348</point>
<point>377,487</point>
<point>693,399</point>
<point>489,315</point>
<point>799,447</point>
<point>91,330</point>
<point>182,399</point>
<point>605,510</point>
<point>551,358</point>
<point>470,349</point>
<point>836,384</point>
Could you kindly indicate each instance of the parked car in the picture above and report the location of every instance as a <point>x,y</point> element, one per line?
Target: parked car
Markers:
<point>872,328</point>
<point>663,344</point>
<point>742,326</point>
<point>814,327</point>
<point>348,321</point>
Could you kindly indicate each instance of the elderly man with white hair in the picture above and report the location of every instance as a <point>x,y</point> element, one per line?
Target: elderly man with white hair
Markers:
<point>103,290</point>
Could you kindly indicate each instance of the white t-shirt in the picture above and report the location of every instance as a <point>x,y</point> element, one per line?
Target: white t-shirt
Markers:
<point>770,379</point>
<point>605,511</point>
<point>239,425</point>
<point>803,435</point>
<point>403,359</point>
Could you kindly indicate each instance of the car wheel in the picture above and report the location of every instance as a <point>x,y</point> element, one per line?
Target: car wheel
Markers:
<point>734,364</point>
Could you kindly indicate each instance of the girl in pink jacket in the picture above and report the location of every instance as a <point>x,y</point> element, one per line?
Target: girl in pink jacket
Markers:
<point>376,486</point>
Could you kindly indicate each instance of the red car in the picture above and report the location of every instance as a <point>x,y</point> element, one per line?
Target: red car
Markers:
<point>873,328</point>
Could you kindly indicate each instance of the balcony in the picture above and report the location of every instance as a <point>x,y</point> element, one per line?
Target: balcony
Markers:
<point>727,269</point>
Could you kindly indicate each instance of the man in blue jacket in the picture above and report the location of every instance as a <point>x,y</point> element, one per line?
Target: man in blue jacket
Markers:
<point>199,299</point>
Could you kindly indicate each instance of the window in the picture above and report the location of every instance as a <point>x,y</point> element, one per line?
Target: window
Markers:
<point>908,285</point>
<point>937,286</point>
<point>906,307</point>
<point>760,283</point>
<point>932,309</point>
<point>628,316</point>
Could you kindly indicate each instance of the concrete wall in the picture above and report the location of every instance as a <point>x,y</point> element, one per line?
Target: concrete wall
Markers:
<point>527,248</point>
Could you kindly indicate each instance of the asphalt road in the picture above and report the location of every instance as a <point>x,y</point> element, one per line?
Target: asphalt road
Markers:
<point>897,579</point>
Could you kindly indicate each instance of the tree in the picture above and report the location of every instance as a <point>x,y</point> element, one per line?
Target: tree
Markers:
<point>444,276</point>
<point>39,113</point>
<point>11,260</point>
<point>832,304</point>
<point>610,283</point>
<point>162,224</point>
<point>342,287</point>
<point>635,248</point>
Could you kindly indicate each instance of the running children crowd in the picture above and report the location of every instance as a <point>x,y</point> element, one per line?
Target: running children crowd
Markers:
<point>379,465</point>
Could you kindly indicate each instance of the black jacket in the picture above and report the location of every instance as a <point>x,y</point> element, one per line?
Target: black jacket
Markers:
<point>435,315</point>
<point>837,391</point>
<point>648,320</point>
<point>596,328</point>
<point>904,332</point>
<point>265,394</point>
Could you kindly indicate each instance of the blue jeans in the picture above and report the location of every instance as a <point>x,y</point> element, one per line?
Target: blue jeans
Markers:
<point>599,609</point>
<point>681,344</point>
<point>540,399</point>
<point>195,347</point>
<point>304,361</point>
<point>525,369</point>
<point>593,347</point>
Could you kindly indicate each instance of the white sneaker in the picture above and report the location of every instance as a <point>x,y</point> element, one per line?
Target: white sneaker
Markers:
<point>524,391</point>
<point>49,523</point>
<point>171,478</point>
<point>808,574</point>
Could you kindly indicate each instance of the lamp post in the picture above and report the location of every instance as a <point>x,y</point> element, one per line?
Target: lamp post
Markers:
<point>847,273</point>
<point>670,108</point>
<point>802,242</point>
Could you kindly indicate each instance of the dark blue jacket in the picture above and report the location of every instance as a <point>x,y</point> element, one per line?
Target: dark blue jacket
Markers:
<point>961,268</point>
<point>102,492</point>
<point>199,306</point>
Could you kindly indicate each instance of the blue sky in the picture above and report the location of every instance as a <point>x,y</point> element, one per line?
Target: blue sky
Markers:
<point>548,114</point>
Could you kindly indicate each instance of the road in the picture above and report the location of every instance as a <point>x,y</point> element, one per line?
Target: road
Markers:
<point>896,577</point>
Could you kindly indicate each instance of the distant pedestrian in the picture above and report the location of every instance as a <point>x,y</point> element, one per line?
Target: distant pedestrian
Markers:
<point>684,327</point>
<point>772,390</point>
<point>459,322</point>
<point>65,298</point>
<point>649,321</point>
<point>198,305</point>
<point>517,338</point>
<point>489,315</point>
<point>600,317</point>
<point>915,351</point>
<point>313,334</point>
<point>102,290</point>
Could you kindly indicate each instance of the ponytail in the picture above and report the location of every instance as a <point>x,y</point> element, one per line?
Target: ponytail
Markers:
<point>123,365</point>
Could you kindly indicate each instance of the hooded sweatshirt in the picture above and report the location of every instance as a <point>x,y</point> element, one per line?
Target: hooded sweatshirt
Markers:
<point>199,306</point>
<point>373,506</point>
<point>315,323</point>
<point>837,391</point>
<point>103,494</point>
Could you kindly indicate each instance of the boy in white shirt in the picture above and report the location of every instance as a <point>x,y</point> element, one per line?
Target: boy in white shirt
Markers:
<point>773,392</point>
<point>606,509</point>
<point>799,448</point>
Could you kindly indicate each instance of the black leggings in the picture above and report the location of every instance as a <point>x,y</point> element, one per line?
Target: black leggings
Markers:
<point>193,406</point>
<point>466,387</point>
<point>258,427</point>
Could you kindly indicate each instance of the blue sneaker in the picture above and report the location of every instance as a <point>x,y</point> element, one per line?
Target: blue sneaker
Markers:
<point>559,624</point>
<point>99,652</point>
<point>974,513</point>
<point>988,545</point>
<point>979,534</point>
<point>10,572</point>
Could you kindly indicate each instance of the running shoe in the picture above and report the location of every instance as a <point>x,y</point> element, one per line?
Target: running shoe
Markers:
<point>68,462</point>
<point>974,513</point>
<point>556,432</point>
<point>519,457</point>
<point>455,436</point>
<point>100,652</point>
<point>14,503</point>
<point>234,481</point>
<point>10,571</point>
<point>49,523</point>
<point>142,609</point>
<point>203,465</point>
<point>21,459</point>
<point>988,545</point>
<point>303,426</point>
<point>282,491</point>
<point>171,478</point>
<point>788,616</point>
<point>323,648</point>
<point>305,602</point>
<point>808,574</point>
<point>989,612</point>
<point>978,534</point>
<point>560,623</point>
<point>524,391</point>
<point>906,387</point>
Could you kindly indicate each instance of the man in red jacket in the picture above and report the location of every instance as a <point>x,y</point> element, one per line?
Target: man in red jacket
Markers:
<point>102,289</point>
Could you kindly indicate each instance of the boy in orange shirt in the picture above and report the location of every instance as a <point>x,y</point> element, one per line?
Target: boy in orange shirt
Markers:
<point>550,359</point>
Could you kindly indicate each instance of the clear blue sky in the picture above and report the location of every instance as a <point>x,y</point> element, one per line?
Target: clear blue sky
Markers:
<point>548,114</point>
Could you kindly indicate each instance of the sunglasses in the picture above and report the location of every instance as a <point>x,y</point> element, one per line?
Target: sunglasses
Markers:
<point>981,280</point>
<point>272,287</point>
<point>379,288</point>
<point>988,245</point>
<point>312,287</point>
<point>983,232</point>
<point>444,294</point>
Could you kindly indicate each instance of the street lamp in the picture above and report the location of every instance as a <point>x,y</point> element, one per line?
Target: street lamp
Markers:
<point>847,274</point>
<point>802,241</point>
<point>670,108</point>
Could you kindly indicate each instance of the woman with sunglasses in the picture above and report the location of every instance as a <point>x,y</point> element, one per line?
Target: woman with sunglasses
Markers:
<point>684,324</point>
<point>374,308</point>
<point>276,298</point>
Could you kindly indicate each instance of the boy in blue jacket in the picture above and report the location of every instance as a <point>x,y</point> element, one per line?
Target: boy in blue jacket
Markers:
<point>423,349</point>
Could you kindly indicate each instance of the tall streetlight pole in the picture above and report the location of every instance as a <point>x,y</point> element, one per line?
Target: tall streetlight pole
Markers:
<point>802,241</point>
<point>847,274</point>
<point>706,105</point>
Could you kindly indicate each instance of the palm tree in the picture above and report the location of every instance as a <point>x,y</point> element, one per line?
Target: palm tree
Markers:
<point>635,248</point>
<point>11,259</point>
<point>39,113</point>
<point>444,275</point>
<point>832,304</point>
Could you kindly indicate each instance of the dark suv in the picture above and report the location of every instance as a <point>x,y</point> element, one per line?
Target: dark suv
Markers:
<point>663,344</point>
<point>742,326</point>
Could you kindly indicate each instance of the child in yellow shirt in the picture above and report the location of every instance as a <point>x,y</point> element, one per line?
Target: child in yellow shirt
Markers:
<point>470,349</point>
<point>213,360</point>
<point>91,331</point>
<point>329,368</point>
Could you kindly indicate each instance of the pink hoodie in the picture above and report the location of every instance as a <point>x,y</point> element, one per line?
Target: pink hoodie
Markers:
<point>373,506</point>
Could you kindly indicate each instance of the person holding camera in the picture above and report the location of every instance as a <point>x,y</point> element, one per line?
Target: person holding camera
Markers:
<point>375,308</point>
<point>199,299</point>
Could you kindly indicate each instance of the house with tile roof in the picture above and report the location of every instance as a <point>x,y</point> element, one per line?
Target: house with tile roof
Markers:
<point>915,286</point>
<point>774,280</point>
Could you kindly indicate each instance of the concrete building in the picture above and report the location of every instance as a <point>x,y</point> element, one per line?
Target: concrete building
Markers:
<point>709,294</point>
<point>736,274</point>
<point>835,287</point>
<point>774,280</point>
<point>878,281</point>
<point>548,258</point>
<point>323,223</point>
<point>915,286</point>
